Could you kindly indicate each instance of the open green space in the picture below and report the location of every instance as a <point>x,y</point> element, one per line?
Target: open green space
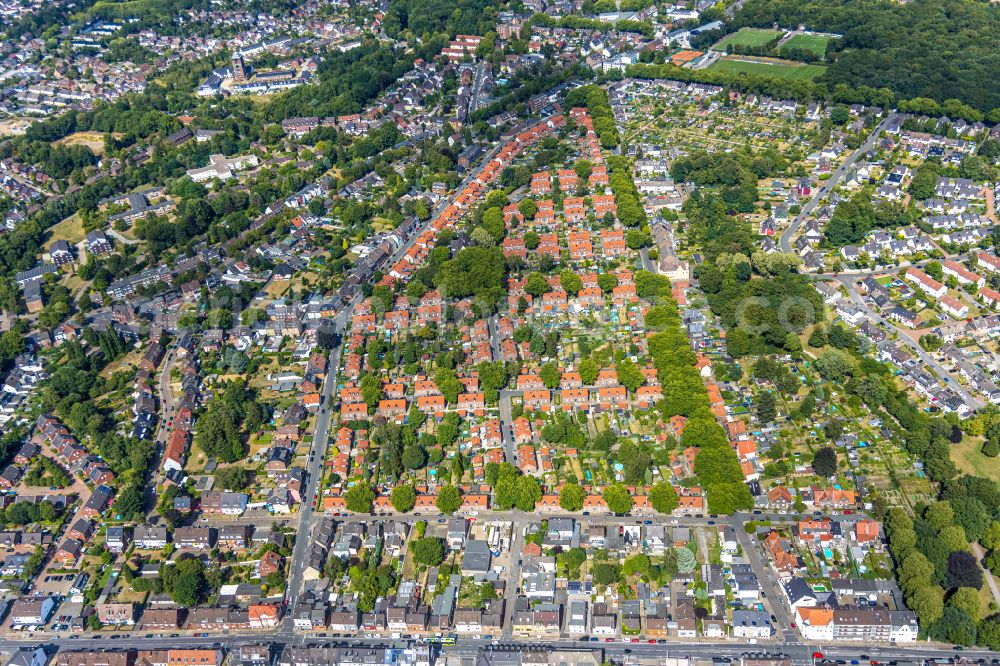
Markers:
<point>815,43</point>
<point>968,457</point>
<point>747,37</point>
<point>783,69</point>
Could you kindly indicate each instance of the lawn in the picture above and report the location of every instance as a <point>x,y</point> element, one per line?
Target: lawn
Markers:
<point>747,37</point>
<point>69,230</point>
<point>815,43</point>
<point>782,69</point>
<point>968,457</point>
<point>14,126</point>
<point>92,140</point>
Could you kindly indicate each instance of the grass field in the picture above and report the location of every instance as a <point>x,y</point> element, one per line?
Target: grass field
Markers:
<point>92,140</point>
<point>69,230</point>
<point>815,43</point>
<point>14,126</point>
<point>968,457</point>
<point>783,69</point>
<point>747,37</point>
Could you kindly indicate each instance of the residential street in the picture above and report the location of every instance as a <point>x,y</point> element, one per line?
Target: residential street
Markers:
<point>829,185</point>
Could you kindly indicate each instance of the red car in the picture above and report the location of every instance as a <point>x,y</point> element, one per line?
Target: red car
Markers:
<point>817,655</point>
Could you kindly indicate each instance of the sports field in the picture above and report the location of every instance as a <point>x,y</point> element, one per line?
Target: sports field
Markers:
<point>747,37</point>
<point>815,43</point>
<point>784,69</point>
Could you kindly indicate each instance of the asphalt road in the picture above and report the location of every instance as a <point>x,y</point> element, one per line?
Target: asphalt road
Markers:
<point>831,183</point>
<point>313,470</point>
<point>469,647</point>
<point>506,420</point>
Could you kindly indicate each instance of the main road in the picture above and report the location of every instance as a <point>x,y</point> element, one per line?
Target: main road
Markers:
<point>831,183</point>
<point>469,647</point>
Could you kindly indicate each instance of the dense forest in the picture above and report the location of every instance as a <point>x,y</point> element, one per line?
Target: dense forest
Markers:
<point>425,17</point>
<point>939,49</point>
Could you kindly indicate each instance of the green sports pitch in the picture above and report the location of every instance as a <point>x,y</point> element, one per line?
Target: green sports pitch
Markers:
<point>748,37</point>
<point>783,69</point>
<point>815,43</point>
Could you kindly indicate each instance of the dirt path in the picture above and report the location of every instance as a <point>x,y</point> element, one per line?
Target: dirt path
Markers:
<point>990,580</point>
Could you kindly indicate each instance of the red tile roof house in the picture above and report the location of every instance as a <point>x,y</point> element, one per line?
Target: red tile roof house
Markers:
<point>522,431</point>
<point>431,404</point>
<point>612,397</point>
<point>580,247</point>
<point>392,409</point>
<point>989,296</point>
<point>954,307</point>
<point>926,283</point>
<point>613,242</point>
<point>604,204</point>
<point>606,377</point>
<point>568,180</point>
<point>570,379</point>
<point>866,531</point>
<point>541,183</point>
<point>537,399</point>
<point>548,244</point>
<point>590,297</point>
<point>962,274</point>
<point>599,176</point>
<point>357,411</point>
<point>528,382</point>
<point>515,247</point>
<point>575,399</point>
<point>647,396</point>
<point>471,401</point>
<point>527,461</point>
<point>574,211</point>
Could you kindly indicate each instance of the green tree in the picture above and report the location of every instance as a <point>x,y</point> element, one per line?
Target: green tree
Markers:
<point>130,503</point>
<point>606,573</point>
<point>550,375</point>
<point>359,498</point>
<point>414,457</point>
<point>663,497</point>
<point>403,498</point>
<point>429,551</point>
<point>588,371</point>
<point>989,632</point>
<point>618,498</point>
<point>187,582</point>
<point>571,497</point>
<point>571,282</point>
<point>766,408</point>
<point>636,565</point>
<point>536,285</point>
<point>928,604</point>
<point>967,600</point>
<point>686,560</point>
<point>953,537</point>
<point>834,365</point>
<point>449,499</point>
<point>629,375</point>
<point>528,493</point>
<point>825,462</point>
<point>940,515</point>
